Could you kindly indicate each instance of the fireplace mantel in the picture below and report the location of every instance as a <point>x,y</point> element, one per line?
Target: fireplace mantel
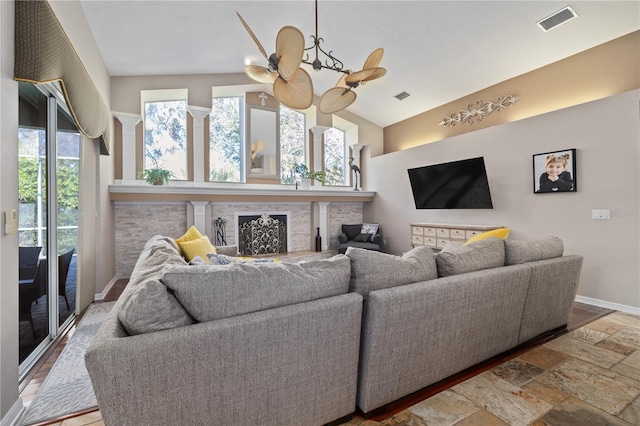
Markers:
<point>235,193</point>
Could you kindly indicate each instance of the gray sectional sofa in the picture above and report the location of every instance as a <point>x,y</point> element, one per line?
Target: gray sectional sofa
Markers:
<point>426,318</point>
<point>290,344</point>
<point>274,344</point>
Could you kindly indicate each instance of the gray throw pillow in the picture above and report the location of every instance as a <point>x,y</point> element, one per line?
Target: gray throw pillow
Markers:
<point>221,259</point>
<point>517,252</point>
<point>147,305</point>
<point>362,238</point>
<point>478,255</point>
<point>372,270</point>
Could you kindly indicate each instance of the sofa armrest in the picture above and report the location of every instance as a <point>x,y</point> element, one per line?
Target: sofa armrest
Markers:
<point>376,239</point>
<point>227,250</point>
<point>342,238</point>
<point>230,371</point>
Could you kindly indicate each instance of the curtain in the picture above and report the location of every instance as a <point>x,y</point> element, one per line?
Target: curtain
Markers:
<point>43,54</point>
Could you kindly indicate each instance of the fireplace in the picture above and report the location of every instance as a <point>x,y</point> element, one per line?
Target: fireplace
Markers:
<point>262,233</point>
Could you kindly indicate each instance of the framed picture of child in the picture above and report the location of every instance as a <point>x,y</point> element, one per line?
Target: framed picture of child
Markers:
<point>554,171</point>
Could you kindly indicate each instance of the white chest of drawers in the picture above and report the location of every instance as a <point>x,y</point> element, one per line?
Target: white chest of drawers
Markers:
<point>437,235</point>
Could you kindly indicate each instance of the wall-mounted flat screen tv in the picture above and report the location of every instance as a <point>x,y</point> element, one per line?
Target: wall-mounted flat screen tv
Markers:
<point>456,185</point>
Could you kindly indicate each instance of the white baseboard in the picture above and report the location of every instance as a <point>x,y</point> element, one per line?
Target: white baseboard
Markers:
<point>13,415</point>
<point>99,297</point>
<point>609,305</point>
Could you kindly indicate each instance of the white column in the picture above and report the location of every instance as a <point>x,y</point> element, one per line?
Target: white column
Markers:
<point>129,123</point>
<point>199,140</point>
<point>199,215</point>
<point>323,222</point>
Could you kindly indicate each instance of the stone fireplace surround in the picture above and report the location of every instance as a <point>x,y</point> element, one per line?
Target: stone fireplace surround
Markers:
<point>142,211</point>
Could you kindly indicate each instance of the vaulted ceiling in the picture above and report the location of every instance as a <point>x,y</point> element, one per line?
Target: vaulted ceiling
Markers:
<point>437,51</point>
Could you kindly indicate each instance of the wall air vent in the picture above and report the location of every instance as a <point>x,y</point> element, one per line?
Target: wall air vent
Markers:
<point>402,95</point>
<point>558,18</point>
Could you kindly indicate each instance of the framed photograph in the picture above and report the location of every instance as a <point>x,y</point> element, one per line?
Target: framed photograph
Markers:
<point>555,171</point>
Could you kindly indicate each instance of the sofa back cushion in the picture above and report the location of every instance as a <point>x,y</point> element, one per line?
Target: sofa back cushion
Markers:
<point>146,305</point>
<point>483,254</point>
<point>219,291</point>
<point>372,270</point>
<point>517,252</point>
<point>352,231</point>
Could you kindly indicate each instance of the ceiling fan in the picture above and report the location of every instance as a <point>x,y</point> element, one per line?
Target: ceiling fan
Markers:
<point>292,85</point>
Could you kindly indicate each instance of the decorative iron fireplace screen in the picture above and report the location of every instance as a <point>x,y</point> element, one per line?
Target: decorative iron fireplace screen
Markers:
<point>262,234</point>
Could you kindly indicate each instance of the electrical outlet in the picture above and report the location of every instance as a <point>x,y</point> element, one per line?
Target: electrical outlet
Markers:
<point>600,214</point>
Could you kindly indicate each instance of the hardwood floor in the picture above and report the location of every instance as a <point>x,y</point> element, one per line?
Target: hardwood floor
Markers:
<point>31,384</point>
<point>581,314</point>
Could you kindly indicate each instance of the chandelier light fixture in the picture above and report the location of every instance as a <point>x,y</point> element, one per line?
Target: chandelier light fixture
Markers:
<point>292,84</point>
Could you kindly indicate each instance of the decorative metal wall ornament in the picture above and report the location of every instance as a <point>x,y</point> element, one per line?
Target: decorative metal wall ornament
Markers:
<point>263,98</point>
<point>220,228</point>
<point>481,110</point>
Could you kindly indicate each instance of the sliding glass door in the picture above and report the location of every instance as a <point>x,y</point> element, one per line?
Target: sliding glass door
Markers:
<point>49,153</point>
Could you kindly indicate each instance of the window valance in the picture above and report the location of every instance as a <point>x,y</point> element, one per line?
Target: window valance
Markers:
<point>43,54</point>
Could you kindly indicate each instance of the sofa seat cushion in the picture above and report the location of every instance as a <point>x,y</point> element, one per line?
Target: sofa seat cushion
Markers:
<point>219,291</point>
<point>146,305</point>
<point>483,254</point>
<point>517,252</point>
<point>371,270</point>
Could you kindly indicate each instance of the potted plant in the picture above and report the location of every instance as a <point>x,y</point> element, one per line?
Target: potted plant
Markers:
<point>156,176</point>
<point>306,176</point>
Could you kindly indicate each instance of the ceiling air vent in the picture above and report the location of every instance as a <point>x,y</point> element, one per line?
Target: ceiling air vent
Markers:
<point>402,95</point>
<point>558,18</point>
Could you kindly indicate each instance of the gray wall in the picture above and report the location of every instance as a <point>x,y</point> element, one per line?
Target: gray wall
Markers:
<point>95,201</point>
<point>8,200</point>
<point>606,135</point>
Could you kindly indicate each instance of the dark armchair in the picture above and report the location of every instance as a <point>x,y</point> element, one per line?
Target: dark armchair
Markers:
<point>352,236</point>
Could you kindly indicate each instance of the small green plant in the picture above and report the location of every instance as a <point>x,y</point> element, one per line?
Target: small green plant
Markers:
<point>156,176</point>
<point>302,171</point>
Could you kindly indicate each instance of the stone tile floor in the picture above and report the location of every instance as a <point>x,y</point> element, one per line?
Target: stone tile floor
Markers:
<point>590,376</point>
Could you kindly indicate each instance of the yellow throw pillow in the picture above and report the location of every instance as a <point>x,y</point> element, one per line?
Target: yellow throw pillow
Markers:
<point>199,247</point>
<point>190,235</point>
<point>501,233</point>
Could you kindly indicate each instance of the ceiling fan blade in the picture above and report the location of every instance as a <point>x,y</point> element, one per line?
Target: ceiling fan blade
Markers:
<point>374,59</point>
<point>365,75</point>
<point>336,99</point>
<point>379,72</point>
<point>253,36</point>
<point>260,74</point>
<point>289,50</point>
<point>296,93</point>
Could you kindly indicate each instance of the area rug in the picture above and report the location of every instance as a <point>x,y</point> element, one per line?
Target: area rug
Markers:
<point>67,388</point>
